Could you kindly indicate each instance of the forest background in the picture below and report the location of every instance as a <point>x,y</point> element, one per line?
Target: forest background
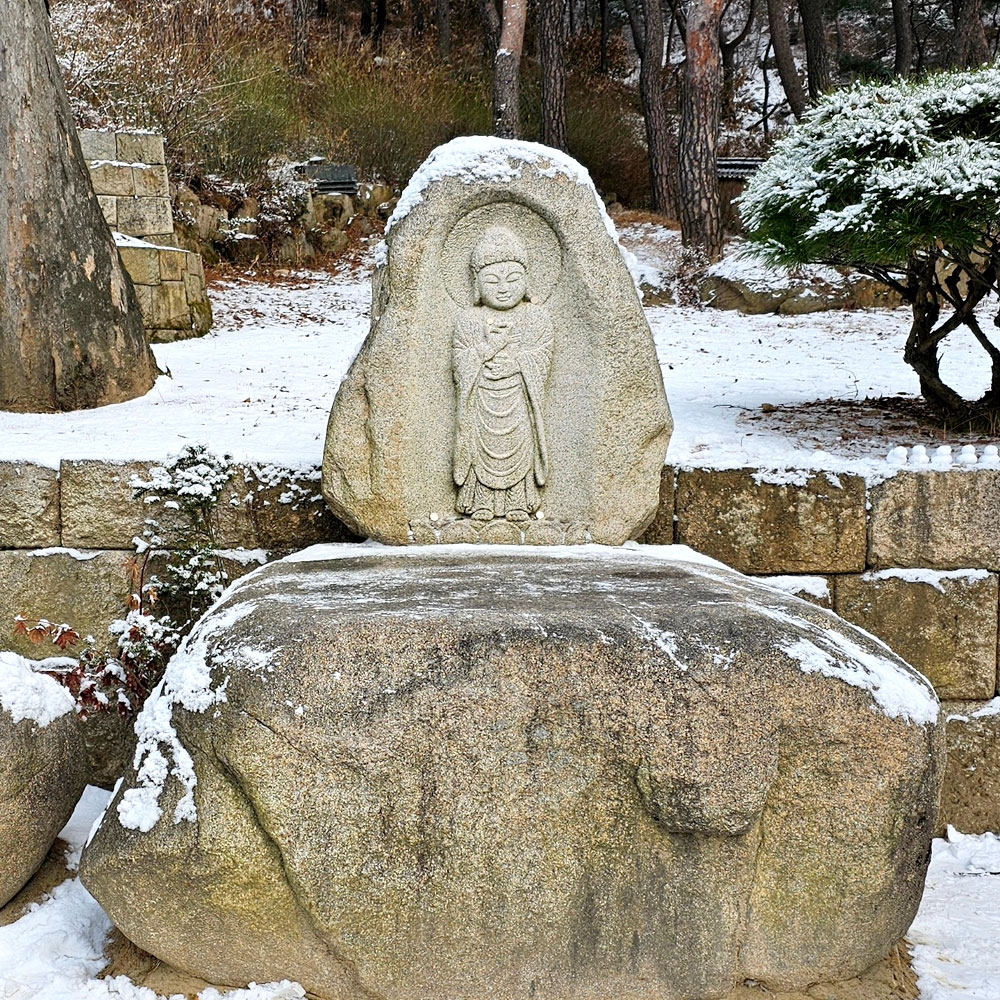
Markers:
<point>240,86</point>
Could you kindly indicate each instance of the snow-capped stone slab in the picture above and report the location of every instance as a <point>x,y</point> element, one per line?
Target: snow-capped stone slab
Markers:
<point>492,772</point>
<point>43,766</point>
<point>468,415</point>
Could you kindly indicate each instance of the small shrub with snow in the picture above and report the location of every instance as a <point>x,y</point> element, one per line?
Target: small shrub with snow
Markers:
<point>108,680</point>
<point>901,182</point>
<point>164,605</point>
<point>193,575</point>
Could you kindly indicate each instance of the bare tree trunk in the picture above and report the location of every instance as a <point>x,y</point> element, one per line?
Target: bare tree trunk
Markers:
<point>417,22</point>
<point>903,61</point>
<point>70,332</point>
<point>777,20</point>
<point>728,48</point>
<point>444,28</point>
<point>817,58</point>
<point>507,71</point>
<point>551,50</point>
<point>604,35</point>
<point>646,20</point>
<point>969,46</point>
<point>491,26</point>
<point>700,210</point>
<point>300,36</point>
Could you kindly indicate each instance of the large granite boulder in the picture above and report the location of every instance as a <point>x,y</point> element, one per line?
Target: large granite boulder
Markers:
<point>509,772</point>
<point>509,375</point>
<point>43,768</point>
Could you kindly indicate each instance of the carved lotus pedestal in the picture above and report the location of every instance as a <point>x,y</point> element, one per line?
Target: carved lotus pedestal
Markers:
<point>507,773</point>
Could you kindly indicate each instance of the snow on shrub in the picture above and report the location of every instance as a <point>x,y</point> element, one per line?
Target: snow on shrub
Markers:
<point>900,181</point>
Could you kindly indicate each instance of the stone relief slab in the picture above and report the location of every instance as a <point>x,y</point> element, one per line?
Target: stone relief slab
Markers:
<point>509,390</point>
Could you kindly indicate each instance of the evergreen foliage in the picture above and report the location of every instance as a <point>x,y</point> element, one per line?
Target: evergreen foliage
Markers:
<point>875,175</point>
<point>900,181</point>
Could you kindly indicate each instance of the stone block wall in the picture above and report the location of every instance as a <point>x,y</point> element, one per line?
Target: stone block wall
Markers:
<point>67,536</point>
<point>914,559</point>
<point>129,174</point>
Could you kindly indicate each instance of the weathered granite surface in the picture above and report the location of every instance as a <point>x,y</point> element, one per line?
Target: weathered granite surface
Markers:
<point>508,772</point>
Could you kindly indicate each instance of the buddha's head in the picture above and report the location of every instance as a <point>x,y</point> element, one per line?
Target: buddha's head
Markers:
<point>500,269</point>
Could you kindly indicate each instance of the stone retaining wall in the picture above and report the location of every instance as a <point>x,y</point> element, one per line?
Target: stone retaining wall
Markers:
<point>914,559</point>
<point>129,174</point>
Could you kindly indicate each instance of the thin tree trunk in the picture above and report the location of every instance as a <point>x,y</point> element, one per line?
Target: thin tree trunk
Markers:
<point>70,332</point>
<point>380,19</point>
<point>604,36</point>
<point>969,46</point>
<point>551,50</point>
<point>417,24</point>
<point>777,21</point>
<point>366,18</point>
<point>767,92</point>
<point>444,28</point>
<point>817,57</point>
<point>491,26</point>
<point>646,21</point>
<point>904,37</point>
<point>729,47</point>
<point>300,36</point>
<point>507,71</point>
<point>700,207</point>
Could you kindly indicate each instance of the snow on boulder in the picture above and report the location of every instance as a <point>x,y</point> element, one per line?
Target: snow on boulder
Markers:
<point>480,771</point>
<point>43,767</point>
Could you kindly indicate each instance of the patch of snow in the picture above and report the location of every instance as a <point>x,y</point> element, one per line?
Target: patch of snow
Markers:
<point>187,682</point>
<point>55,948</point>
<point>81,825</point>
<point>244,556</point>
<point>124,240</point>
<point>55,951</point>
<point>953,937</point>
<point>285,990</point>
<point>932,577</point>
<point>744,269</point>
<point>899,694</point>
<point>58,550</point>
<point>990,708</point>
<point>27,694</point>
<point>331,551</point>
<point>814,586</point>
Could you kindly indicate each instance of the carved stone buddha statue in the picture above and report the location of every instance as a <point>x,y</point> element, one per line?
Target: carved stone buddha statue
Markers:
<point>502,357</point>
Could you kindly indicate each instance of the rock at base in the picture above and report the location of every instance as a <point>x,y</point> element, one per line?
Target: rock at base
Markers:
<point>536,772</point>
<point>42,769</point>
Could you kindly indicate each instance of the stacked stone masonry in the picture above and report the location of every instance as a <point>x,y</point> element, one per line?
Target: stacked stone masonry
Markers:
<point>914,559</point>
<point>129,174</point>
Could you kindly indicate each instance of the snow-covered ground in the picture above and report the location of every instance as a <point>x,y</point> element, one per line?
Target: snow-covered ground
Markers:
<point>55,950</point>
<point>742,388</point>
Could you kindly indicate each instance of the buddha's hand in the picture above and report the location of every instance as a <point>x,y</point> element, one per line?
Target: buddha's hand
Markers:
<point>502,365</point>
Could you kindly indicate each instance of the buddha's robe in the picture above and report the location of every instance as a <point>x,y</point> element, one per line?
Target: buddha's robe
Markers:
<point>502,361</point>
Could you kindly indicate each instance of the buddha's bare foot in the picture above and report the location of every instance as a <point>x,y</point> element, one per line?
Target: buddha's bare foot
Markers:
<point>482,515</point>
<point>517,515</point>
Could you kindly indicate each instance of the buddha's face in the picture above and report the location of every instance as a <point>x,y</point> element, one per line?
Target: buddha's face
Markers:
<point>503,285</point>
